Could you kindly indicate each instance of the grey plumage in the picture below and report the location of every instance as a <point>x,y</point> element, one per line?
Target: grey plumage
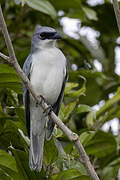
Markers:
<point>47,70</point>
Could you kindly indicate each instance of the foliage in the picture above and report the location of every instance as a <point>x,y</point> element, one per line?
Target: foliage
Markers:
<point>86,88</point>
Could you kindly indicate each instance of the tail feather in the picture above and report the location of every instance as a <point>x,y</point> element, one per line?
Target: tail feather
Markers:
<point>37,136</point>
<point>49,130</point>
<point>36,151</point>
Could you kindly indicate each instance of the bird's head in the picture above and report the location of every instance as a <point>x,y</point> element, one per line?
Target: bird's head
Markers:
<point>44,37</point>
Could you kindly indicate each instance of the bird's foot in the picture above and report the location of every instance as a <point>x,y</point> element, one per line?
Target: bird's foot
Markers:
<point>42,100</point>
<point>48,110</point>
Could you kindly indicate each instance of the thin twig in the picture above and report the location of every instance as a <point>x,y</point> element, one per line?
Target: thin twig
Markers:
<point>71,136</point>
<point>117,12</point>
<point>4,57</point>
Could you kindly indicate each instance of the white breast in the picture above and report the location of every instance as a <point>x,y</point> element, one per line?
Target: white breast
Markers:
<point>47,73</point>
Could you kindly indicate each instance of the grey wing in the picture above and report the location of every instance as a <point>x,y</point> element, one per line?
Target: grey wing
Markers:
<point>56,107</point>
<point>26,98</point>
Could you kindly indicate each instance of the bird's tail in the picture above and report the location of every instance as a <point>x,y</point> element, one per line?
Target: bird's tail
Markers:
<point>37,135</point>
<point>49,130</point>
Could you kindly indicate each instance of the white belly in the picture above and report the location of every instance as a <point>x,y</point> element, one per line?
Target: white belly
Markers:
<point>47,74</point>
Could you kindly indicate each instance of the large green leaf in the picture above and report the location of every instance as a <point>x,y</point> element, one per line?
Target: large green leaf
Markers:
<point>10,135</point>
<point>65,5</point>
<point>7,160</point>
<point>21,158</point>
<point>93,85</point>
<point>43,6</point>
<point>101,144</point>
<point>21,164</point>
<point>8,166</point>
<point>9,78</point>
<point>70,174</point>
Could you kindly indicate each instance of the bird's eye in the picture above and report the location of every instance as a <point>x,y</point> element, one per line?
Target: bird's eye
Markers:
<point>43,34</point>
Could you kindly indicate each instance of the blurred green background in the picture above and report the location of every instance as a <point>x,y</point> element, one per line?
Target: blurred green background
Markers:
<point>92,96</point>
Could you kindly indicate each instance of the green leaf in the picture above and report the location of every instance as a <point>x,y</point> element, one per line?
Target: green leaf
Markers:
<point>4,176</point>
<point>90,119</point>
<point>9,135</point>
<point>68,148</point>
<point>8,166</point>
<point>58,133</point>
<point>83,108</point>
<point>86,136</point>
<point>69,174</point>
<point>21,113</point>
<point>73,164</point>
<point>49,148</point>
<point>42,6</point>
<point>90,13</point>
<point>9,78</point>
<point>72,88</point>
<point>67,110</point>
<point>101,144</point>
<point>10,173</point>
<point>54,177</point>
<point>69,86</point>
<point>59,147</point>
<point>21,158</point>
<point>26,140</point>
<point>110,171</point>
<point>7,160</point>
<point>82,178</point>
<point>3,117</point>
<point>77,14</point>
<point>66,4</point>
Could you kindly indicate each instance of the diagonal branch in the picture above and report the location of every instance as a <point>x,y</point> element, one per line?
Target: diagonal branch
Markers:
<point>117,12</point>
<point>71,136</point>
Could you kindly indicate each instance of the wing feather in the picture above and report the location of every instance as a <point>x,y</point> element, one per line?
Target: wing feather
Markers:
<point>26,98</point>
<point>56,107</point>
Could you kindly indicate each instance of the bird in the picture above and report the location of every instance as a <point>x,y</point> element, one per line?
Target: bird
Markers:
<point>46,68</point>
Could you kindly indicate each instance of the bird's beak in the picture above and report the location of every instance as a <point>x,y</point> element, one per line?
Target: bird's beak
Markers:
<point>57,36</point>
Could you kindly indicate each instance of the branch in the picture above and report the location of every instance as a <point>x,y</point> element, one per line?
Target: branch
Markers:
<point>117,12</point>
<point>5,57</point>
<point>119,174</point>
<point>71,136</point>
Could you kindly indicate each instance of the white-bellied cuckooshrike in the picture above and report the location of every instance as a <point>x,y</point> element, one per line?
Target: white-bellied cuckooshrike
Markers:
<point>46,68</point>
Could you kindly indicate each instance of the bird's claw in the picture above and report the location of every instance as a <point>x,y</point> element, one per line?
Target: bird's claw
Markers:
<point>42,99</point>
<point>48,110</point>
